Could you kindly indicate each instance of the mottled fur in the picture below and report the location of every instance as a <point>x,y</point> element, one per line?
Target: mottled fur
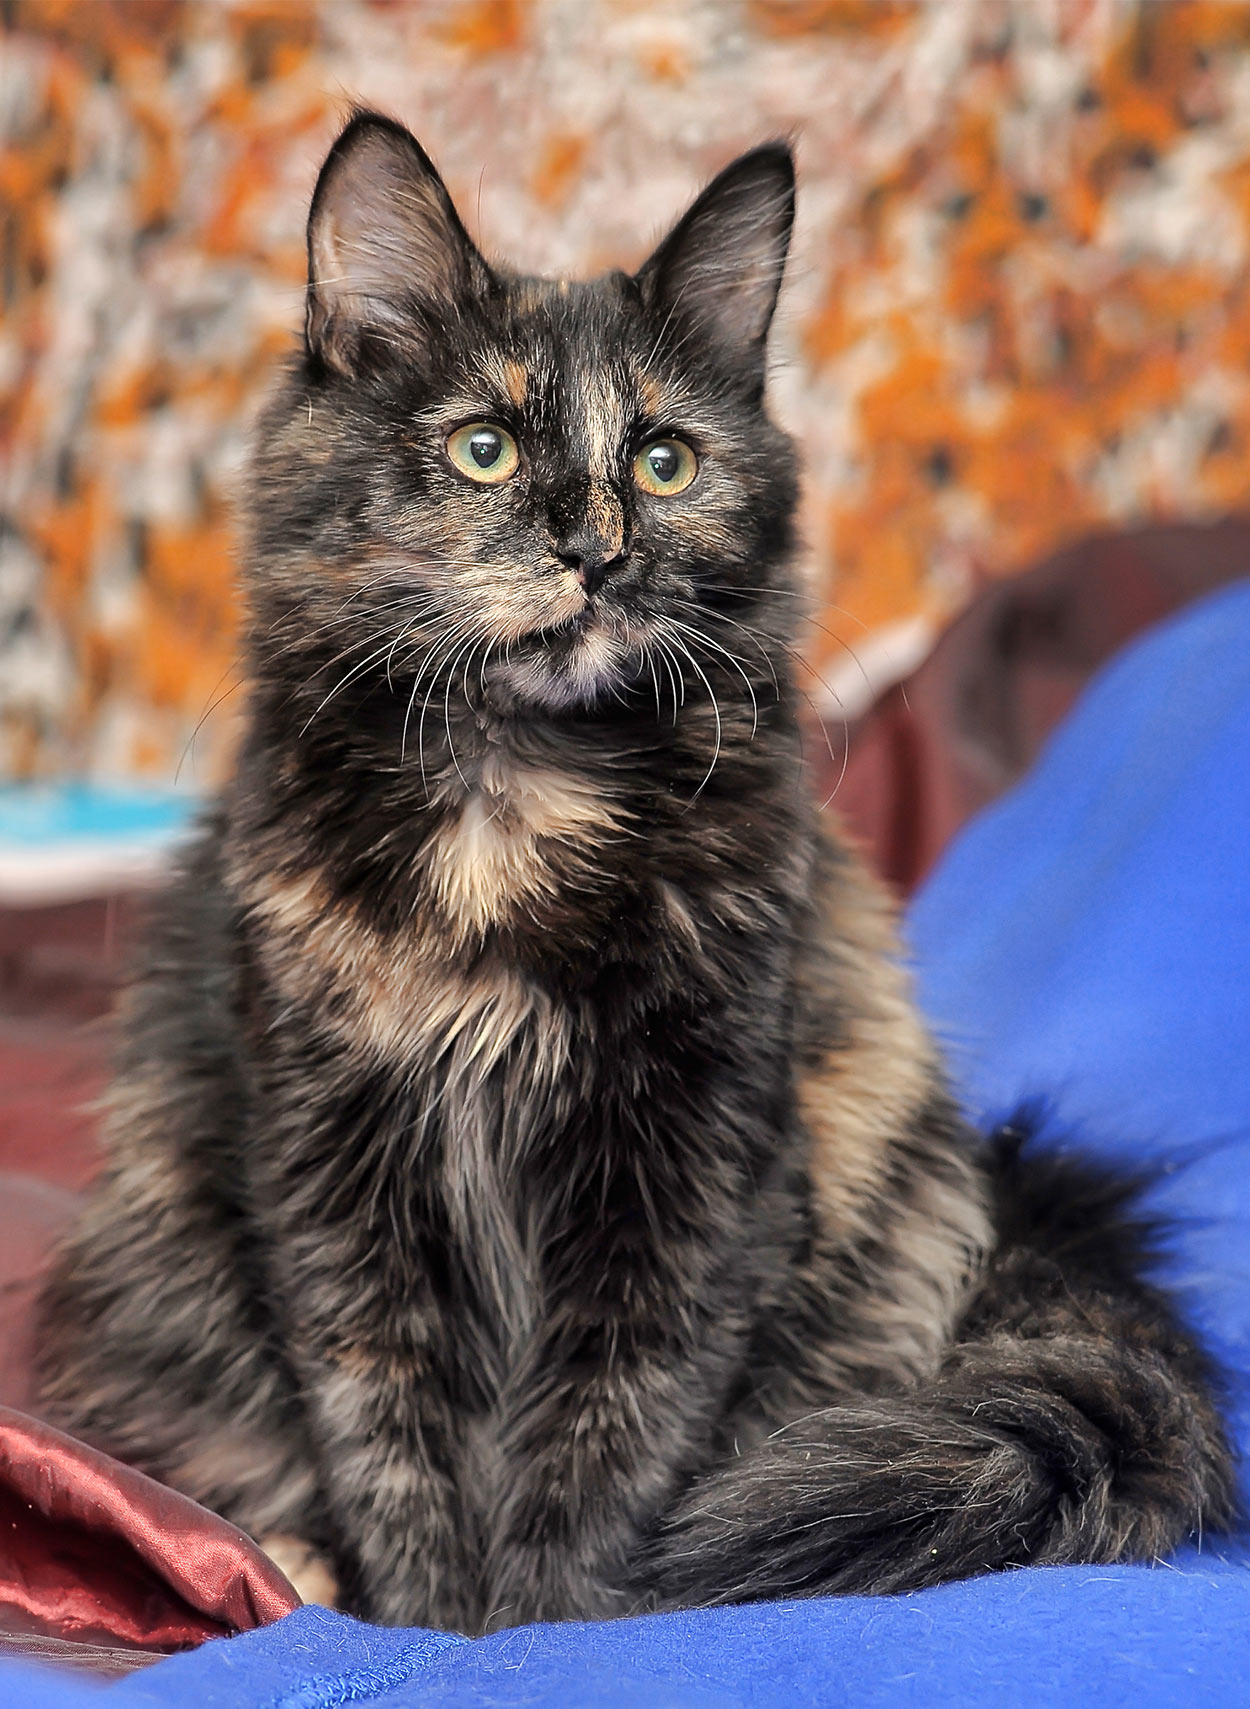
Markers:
<point>530,1183</point>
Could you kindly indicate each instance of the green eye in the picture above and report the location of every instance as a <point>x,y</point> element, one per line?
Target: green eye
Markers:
<point>664,467</point>
<point>484,452</point>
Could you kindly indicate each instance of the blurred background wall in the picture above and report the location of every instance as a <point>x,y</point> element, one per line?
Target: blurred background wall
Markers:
<point>1019,308</point>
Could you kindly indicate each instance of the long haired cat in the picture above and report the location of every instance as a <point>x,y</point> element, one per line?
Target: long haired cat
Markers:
<point>530,1182</point>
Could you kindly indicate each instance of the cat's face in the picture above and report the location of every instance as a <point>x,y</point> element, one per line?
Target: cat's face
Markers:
<point>544,487</point>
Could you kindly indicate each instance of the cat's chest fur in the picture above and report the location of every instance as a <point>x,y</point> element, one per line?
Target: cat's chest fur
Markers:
<point>507,828</point>
<point>523,894</point>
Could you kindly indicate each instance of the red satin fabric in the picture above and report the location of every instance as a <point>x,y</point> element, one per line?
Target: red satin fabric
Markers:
<point>98,1553</point>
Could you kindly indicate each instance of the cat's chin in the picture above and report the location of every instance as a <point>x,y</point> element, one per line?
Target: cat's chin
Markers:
<point>580,667</point>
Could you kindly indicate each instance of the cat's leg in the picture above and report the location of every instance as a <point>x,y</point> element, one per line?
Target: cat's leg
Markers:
<point>621,1391</point>
<point>404,1547</point>
<point>1073,1420</point>
<point>588,1460</point>
<point>380,1334</point>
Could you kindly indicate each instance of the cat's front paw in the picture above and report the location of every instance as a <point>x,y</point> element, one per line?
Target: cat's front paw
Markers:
<point>304,1567</point>
<point>531,1583</point>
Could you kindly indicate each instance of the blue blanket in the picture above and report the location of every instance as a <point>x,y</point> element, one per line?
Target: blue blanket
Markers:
<point>1087,940</point>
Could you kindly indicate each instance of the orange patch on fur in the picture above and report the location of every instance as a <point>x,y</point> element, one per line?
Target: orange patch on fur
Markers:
<point>866,1091</point>
<point>650,394</point>
<point>516,382</point>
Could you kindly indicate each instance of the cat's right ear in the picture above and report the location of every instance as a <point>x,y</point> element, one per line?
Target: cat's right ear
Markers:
<point>387,254</point>
<point>719,270</point>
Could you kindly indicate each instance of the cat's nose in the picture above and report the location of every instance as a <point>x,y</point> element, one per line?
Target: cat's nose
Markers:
<point>591,558</point>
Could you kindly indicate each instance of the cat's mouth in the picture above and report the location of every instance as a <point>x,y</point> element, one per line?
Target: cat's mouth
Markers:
<point>586,627</point>
<point>580,629</point>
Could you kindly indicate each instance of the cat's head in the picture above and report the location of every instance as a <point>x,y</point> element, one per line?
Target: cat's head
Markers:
<point>541,485</point>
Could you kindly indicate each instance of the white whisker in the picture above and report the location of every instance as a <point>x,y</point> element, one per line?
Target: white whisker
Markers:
<point>704,640</point>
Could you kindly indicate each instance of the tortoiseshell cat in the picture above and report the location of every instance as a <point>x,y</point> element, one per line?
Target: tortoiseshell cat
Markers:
<point>530,1181</point>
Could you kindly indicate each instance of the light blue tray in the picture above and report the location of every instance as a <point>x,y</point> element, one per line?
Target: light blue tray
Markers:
<point>67,840</point>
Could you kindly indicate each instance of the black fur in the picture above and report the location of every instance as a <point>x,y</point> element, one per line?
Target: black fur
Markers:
<point>530,1181</point>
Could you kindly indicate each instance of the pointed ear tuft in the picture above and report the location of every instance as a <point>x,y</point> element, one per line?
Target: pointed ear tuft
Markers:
<point>720,267</point>
<point>386,250</point>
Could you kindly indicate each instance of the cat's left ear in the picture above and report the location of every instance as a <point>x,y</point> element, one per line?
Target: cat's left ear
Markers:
<point>387,254</point>
<point>720,267</point>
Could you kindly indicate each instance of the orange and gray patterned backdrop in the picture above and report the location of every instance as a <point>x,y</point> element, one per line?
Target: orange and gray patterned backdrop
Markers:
<point>1019,308</point>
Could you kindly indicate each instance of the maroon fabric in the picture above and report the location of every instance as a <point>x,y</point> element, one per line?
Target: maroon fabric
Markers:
<point>101,1554</point>
<point>970,722</point>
